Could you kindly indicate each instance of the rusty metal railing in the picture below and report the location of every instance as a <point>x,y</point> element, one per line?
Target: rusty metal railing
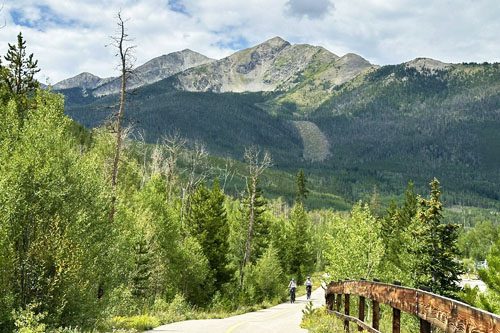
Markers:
<point>432,310</point>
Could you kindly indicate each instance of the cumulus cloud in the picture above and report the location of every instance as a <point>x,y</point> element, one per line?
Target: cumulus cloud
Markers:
<point>312,9</point>
<point>69,37</point>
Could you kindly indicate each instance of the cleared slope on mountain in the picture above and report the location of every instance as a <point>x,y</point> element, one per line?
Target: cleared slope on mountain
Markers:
<point>316,145</point>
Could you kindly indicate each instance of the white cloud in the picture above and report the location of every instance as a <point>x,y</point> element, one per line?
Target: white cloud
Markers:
<point>312,9</point>
<point>69,37</point>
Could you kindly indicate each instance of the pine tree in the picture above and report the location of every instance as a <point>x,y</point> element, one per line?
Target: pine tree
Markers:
<point>22,69</point>
<point>142,271</point>
<point>261,226</point>
<point>17,77</point>
<point>302,191</point>
<point>207,221</point>
<point>300,254</point>
<point>438,266</point>
<point>395,229</point>
<point>254,202</point>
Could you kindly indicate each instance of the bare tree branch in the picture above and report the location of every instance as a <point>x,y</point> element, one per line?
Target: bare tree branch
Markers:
<point>126,65</point>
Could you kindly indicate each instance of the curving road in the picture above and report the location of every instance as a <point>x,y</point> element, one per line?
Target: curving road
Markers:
<point>284,318</point>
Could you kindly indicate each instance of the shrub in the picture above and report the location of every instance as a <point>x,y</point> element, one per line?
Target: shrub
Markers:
<point>139,323</point>
<point>28,320</point>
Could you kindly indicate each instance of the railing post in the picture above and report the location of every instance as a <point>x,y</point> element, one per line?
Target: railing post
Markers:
<point>361,311</point>
<point>375,312</point>
<point>396,316</point>
<point>425,326</point>
<point>330,300</point>
<point>346,311</point>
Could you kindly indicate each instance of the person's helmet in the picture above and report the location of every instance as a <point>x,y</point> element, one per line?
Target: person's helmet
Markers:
<point>308,277</point>
<point>293,279</point>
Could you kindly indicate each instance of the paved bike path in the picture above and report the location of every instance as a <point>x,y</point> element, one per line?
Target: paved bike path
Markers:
<point>283,318</point>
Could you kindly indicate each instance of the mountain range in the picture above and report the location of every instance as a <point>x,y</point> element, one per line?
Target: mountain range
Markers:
<point>352,124</point>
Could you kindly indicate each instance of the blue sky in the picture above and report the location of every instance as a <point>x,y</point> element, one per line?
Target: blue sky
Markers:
<point>69,37</point>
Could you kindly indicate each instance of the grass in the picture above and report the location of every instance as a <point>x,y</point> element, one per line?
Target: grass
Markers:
<point>319,321</point>
<point>174,312</point>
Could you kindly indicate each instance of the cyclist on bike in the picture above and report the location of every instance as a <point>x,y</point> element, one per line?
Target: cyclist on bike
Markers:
<point>292,286</point>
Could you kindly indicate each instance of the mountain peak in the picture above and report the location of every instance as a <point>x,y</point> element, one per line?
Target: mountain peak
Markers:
<point>421,64</point>
<point>276,40</point>
<point>157,69</point>
<point>353,57</point>
<point>83,80</point>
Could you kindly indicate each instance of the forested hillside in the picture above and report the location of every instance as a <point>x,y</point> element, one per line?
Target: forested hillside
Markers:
<point>383,128</point>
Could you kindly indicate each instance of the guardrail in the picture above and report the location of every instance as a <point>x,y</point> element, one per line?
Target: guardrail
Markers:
<point>433,310</point>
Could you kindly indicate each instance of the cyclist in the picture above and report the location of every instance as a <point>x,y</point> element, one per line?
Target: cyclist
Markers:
<point>308,285</point>
<point>292,286</point>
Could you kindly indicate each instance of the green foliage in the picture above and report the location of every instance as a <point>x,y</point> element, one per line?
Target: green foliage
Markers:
<point>59,266</point>
<point>321,321</point>
<point>261,230</point>
<point>354,248</point>
<point>491,276</point>
<point>437,267</point>
<point>397,232</point>
<point>268,275</point>
<point>309,309</point>
<point>297,244</point>
<point>29,320</point>
<point>302,190</point>
<point>476,242</point>
<point>142,273</point>
<point>139,323</point>
<point>18,74</point>
<point>22,68</point>
<point>207,220</point>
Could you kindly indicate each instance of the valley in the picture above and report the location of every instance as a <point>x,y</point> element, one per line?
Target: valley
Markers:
<point>352,125</point>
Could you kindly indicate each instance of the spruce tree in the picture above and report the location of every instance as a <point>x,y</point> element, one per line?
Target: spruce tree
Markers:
<point>141,274</point>
<point>438,266</point>
<point>18,74</point>
<point>300,254</point>
<point>20,79</point>
<point>261,229</point>
<point>207,221</point>
<point>302,190</point>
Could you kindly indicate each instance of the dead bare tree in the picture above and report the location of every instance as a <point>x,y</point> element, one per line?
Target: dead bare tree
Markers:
<point>174,145</point>
<point>126,65</point>
<point>255,167</point>
<point>197,173</point>
<point>227,173</point>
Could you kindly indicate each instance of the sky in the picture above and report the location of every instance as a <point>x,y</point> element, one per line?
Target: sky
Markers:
<point>69,37</point>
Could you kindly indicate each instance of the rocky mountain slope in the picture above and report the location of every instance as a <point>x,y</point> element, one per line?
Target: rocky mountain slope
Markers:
<point>300,74</point>
<point>155,70</point>
<point>83,80</point>
<point>278,66</point>
<point>152,71</point>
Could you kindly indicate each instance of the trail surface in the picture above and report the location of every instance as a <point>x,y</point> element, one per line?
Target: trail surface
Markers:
<point>283,318</point>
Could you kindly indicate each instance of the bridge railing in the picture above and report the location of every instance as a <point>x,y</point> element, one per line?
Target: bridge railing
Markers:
<point>433,310</point>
